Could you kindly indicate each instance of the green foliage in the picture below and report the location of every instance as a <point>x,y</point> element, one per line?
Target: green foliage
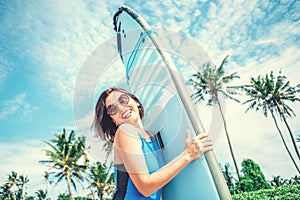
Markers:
<point>287,192</point>
<point>253,179</point>
<point>101,180</point>
<point>82,198</point>
<point>67,197</point>
<point>64,158</point>
<point>271,93</point>
<point>294,180</point>
<point>63,197</point>
<point>14,187</point>
<point>210,81</point>
<point>228,178</point>
<point>278,181</point>
<point>41,195</point>
<point>252,184</point>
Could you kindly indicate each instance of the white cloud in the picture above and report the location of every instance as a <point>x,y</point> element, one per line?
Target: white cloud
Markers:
<point>265,41</point>
<point>69,43</point>
<point>23,157</point>
<point>212,12</point>
<point>18,107</point>
<point>58,37</point>
<point>287,61</point>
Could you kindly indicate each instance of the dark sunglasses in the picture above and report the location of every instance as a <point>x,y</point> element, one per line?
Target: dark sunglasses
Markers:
<point>113,108</point>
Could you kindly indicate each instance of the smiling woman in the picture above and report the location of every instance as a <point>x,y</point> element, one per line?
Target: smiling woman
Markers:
<point>140,171</point>
<point>104,122</point>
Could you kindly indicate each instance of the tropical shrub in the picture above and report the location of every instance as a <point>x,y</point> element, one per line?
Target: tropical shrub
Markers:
<point>286,192</point>
<point>253,178</point>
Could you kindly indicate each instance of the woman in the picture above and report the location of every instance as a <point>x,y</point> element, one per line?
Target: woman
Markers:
<point>139,169</point>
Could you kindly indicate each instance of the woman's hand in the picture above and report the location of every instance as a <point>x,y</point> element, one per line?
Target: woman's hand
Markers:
<point>197,146</point>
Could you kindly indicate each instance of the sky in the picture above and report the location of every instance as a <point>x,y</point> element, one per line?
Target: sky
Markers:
<point>45,44</point>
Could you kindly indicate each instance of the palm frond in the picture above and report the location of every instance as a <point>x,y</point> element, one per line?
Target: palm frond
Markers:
<point>229,96</point>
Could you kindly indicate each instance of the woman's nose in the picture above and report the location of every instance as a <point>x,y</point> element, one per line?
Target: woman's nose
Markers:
<point>121,107</point>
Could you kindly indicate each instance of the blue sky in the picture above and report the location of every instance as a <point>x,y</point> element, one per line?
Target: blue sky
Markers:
<point>44,44</point>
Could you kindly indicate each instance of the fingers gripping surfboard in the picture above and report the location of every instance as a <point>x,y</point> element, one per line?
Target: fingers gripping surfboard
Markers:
<point>150,80</point>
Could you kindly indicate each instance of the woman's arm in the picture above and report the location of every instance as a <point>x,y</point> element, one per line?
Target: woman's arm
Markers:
<point>128,145</point>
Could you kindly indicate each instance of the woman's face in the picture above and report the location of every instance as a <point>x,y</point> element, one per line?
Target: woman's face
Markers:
<point>122,108</point>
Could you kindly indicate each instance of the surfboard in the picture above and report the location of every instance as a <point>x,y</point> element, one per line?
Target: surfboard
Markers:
<point>150,80</point>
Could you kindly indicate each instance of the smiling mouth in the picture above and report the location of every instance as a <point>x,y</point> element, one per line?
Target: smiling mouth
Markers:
<point>126,114</point>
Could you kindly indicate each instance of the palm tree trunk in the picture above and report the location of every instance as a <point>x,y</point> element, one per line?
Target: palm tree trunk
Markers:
<point>283,140</point>
<point>22,191</point>
<point>13,194</point>
<point>93,193</point>
<point>100,194</point>
<point>291,134</point>
<point>69,185</point>
<point>228,138</point>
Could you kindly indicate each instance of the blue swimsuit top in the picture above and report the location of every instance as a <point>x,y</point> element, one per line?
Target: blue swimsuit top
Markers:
<point>125,189</point>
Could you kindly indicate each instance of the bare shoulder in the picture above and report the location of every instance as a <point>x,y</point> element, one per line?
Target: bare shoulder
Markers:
<point>127,128</point>
<point>126,134</point>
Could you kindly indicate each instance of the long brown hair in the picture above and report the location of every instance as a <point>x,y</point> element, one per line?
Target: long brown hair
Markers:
<point>103,124</point>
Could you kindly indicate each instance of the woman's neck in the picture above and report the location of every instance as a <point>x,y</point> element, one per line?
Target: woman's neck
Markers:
<point>139,124</point>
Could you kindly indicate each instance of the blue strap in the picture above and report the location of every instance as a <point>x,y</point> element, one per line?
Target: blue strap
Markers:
<point>135,50</point>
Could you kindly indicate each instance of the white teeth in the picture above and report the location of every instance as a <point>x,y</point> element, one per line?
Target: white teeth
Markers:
<point>126,114</point>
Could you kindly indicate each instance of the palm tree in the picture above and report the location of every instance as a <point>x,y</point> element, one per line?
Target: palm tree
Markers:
<point>210,81</point>
<point>294,180</point>
<point>101,179</point>
<point>41,194</point>
<point>270,94</point>
<point>5,192</point>
<point>13,188</point>
<point>22,181</point>
<point>107,147</point>
<point>283,92</point>
<point>64,159</point>
<point>278,181</point>
<point>11,182</point>
<point>47,179</point>
<point>228,177</point>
